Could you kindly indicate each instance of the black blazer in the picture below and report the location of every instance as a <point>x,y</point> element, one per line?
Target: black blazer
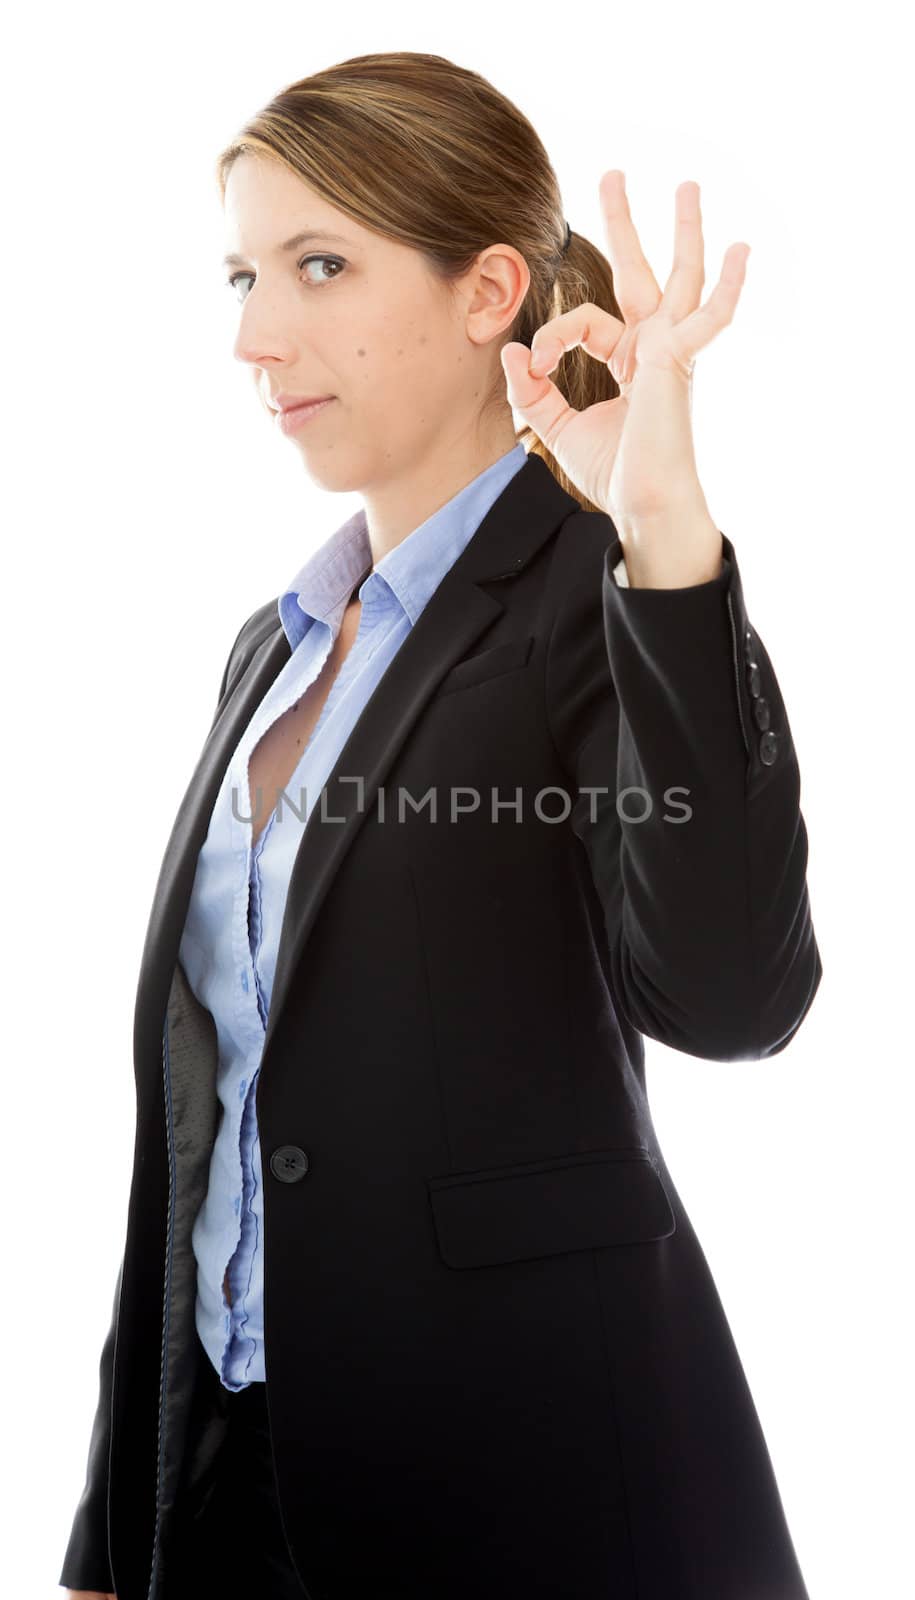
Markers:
<point>497,1362</point>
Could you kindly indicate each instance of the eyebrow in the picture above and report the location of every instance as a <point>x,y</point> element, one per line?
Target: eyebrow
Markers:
<point>292,244</point>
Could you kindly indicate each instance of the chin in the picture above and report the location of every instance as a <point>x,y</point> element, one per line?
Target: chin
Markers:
<point>337,471</point>
<point>342,467</point>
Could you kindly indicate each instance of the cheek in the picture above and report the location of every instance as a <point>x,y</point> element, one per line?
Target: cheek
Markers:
<point>389,370</point>
<point>399,351</point>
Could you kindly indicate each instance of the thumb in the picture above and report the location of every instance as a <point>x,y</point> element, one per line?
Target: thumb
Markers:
<point>536,399</point>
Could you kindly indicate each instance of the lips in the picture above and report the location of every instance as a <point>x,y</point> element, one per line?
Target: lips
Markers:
<point>289,402</point>
<point>296,417</point>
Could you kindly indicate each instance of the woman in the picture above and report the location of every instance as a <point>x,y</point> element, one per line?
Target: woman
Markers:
<point>531,794</point>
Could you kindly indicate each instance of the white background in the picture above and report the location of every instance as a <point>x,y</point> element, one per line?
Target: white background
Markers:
<point>150,509</point>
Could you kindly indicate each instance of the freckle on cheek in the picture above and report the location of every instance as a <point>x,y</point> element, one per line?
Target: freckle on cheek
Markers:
<point>360,352</point>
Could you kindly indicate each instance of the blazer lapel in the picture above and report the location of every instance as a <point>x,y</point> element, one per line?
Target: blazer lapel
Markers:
<point>526,513</point>
<point>172,893</point>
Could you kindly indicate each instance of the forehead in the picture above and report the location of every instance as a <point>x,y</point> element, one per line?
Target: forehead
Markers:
<point>270,209</point>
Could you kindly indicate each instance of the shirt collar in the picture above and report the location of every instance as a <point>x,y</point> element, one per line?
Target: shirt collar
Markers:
<point>411,572</point>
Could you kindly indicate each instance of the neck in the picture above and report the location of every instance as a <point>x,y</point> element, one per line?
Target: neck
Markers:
<point>395,508</point>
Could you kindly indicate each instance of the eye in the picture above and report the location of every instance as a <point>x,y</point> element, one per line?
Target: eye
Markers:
<point>336,262</point>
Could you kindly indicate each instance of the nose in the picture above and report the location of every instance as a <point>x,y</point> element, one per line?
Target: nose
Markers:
<point>264,333</point>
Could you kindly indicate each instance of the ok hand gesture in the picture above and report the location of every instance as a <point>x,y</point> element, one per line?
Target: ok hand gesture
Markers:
<point>633,455</point>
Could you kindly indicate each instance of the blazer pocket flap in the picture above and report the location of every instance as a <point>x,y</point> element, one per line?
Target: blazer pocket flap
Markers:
<point>579,1202</point>
<point>489,663</point>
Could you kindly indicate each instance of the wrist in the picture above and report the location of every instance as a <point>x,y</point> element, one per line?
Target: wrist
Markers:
<point>672,549</point>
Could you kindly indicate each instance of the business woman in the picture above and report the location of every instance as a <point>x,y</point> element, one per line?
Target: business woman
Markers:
<point>500,783</point>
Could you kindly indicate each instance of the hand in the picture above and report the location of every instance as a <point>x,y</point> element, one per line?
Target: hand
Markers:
<point>633,455</point>
<point>89,1594</point>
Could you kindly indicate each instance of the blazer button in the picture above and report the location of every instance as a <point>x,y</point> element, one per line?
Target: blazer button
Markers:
<point>768,748</point>
<point>289,1163</point>
<point>754,681</point>
<point>761,712</point>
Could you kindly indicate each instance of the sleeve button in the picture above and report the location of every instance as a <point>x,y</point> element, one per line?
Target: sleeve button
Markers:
<point>761,712</point>
<point>754,680</point>
<point>768,748</point>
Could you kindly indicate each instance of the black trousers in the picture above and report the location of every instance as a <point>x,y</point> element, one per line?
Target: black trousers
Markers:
<point>228,1537</point>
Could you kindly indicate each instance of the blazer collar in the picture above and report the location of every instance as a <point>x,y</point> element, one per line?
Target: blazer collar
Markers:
<point>527,512</point>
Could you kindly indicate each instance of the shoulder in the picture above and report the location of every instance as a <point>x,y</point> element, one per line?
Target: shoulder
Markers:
<point>586,548</point>
<point>252,633</point>
<point>265,620</point>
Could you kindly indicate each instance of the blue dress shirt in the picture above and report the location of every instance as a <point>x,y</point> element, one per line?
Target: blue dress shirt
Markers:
<point>229,945</point>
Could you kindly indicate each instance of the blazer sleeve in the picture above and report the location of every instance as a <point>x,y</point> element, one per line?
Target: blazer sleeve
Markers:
<point>666,712</point>
<point>86,1563</point>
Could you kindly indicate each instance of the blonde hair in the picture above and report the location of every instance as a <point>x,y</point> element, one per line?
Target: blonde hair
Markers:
<point>429,153</point>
